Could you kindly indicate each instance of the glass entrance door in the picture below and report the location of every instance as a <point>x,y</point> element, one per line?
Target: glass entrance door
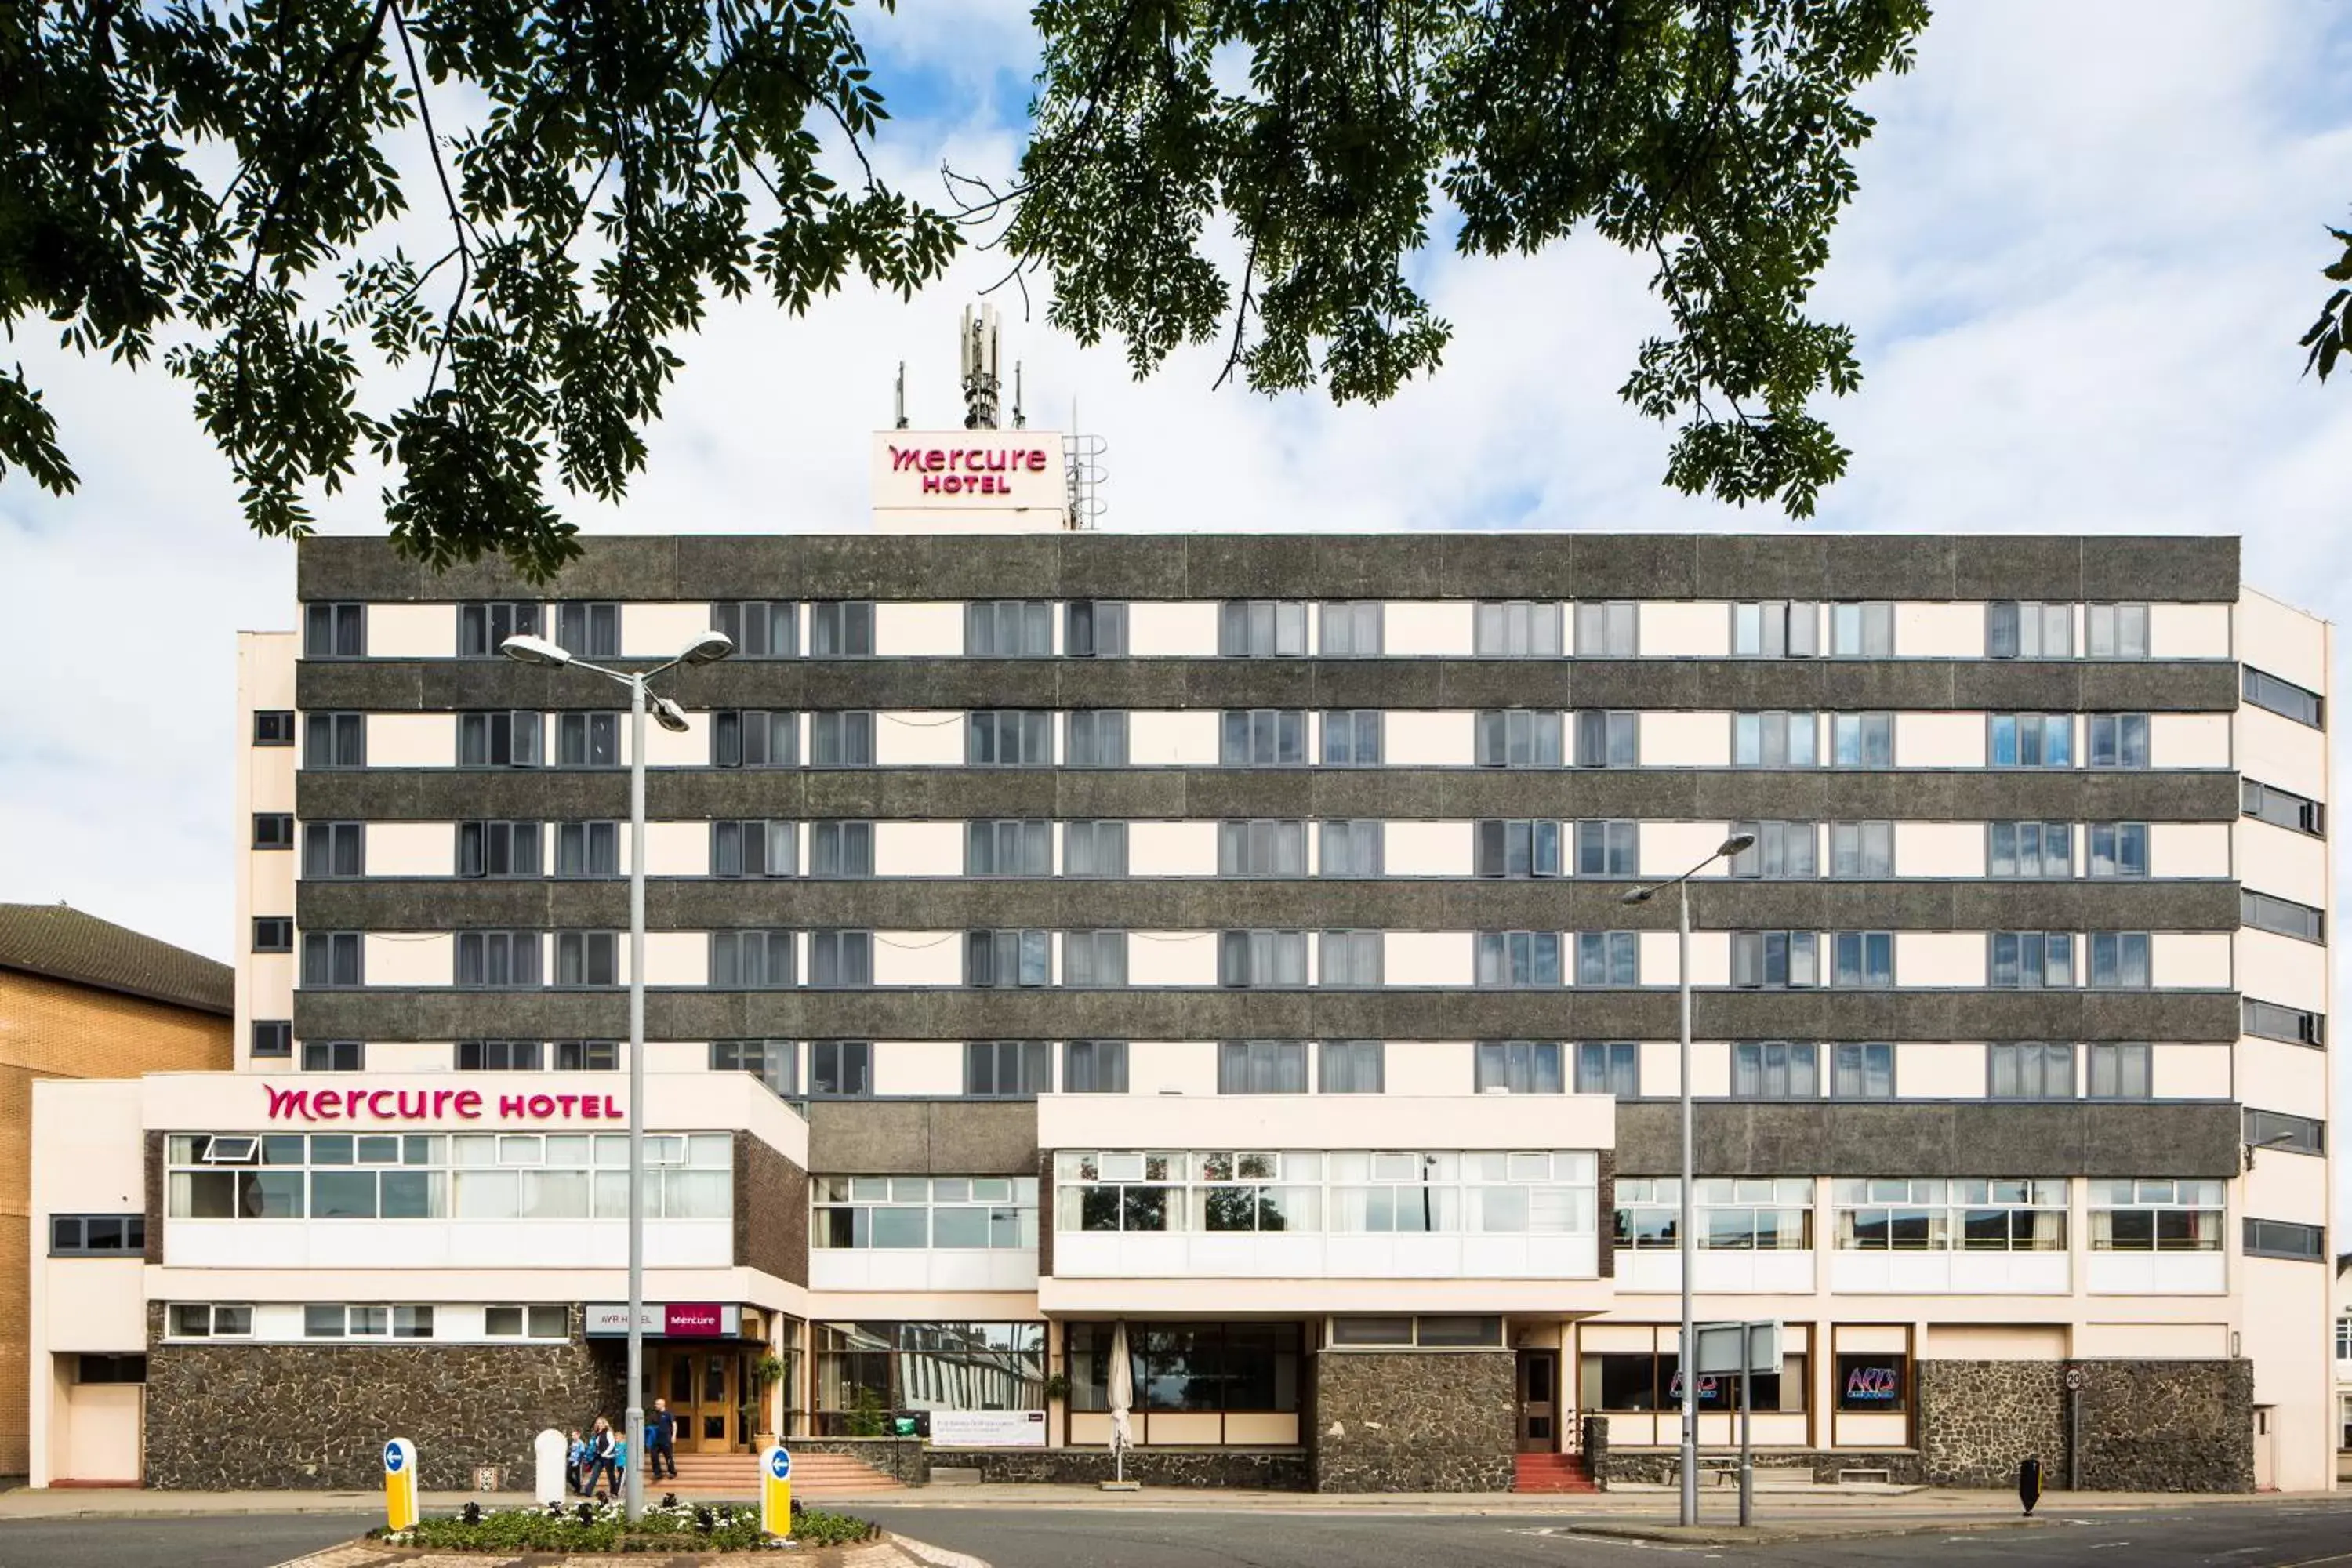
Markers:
<point>1538,1401</point>
<point>703,1387</point>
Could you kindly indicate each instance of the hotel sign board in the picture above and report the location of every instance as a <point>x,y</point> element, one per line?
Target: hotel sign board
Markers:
<point>668,1320</point>
<point>428,1105</point>
<point>969,470</point>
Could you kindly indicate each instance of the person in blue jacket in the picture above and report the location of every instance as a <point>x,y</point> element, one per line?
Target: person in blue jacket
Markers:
<point>575,1465</point>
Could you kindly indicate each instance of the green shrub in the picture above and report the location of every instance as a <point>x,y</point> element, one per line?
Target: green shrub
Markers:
<point>673,1528</point>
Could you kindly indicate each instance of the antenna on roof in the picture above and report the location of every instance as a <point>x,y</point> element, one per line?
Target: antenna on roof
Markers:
<point>977,347</point>
<point>902,394</point>
<point>1020,419</point>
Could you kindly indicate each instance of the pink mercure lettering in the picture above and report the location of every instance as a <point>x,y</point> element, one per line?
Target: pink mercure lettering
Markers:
<point>564,1103</point>
<point>934,459</point>
<point>1036,459</point>
<point>376,1097</point>
<point>612,1111</point>
<point>285,1104</point>
<point>904,458</point>
<point>511,1105</point>
<point>542,1106</point>
<point>416,1112</point>
<point>998,459</point>
<point>930,484</point>
<point>469,1104</point>
<point>588,1107</point>
<point>441,1098</point>
<point>975,459</point>
<point>328,1103</point>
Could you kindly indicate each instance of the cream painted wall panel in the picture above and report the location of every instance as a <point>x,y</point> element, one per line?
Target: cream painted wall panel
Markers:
<point>2272,860</point>
<point>932,630</point>
<point>1428,1066</point>
<point>1670,849</point>
<point>1424,740</point>
<point>1654,959</point>
<point>2155,1342</point>
<point>411,1056</point>
<point>93,1304</point>
<point>414,849</point>
<point>660,630</point>
<point>2275,636</point>
<point>269,774</point>
<point>270,989</point>
<point>1424,849</point>
<point>2281,752</point>
<point>1994,1341</point>
<point>674,849</point>
<point>1945,958</point>
<point>1710,957</point>
<point>1686,629</point>
<point>1685,740</point>
<point>920,740</point>
<point>1939,740</point>
<point>1939,849</point>
<point>674,1056</point>
<point>1710,1068</point>
<point>1181,1067</point>
<point>2283,970</point>
<point>408,958</point>
<point>2195,848</point>
<point>681,958</point>
<point>1158,739</point>
<point>1428,958</point>
<point>918,1067</point>
<point>412,740</point>
<point>1423,629</point>
<point>2179,1070</point>
<point>918,958</point>
<point>88,1136</point>
<point>689,748</point>
<point>2186,740</point>
<point>918,848</point>
<point>2181,959</point>
<point>1661,1066</point>
<point>1178,630</point>
<point>1174,848</point>
<point>1939,1069</point>
<point>411,631</point>
<point>273,880</point>
<point>2276,1076</point>
<point>1927,630</point>
<point>2287,1185</point>
<point>2189,631</point>
<point>1171,958</point>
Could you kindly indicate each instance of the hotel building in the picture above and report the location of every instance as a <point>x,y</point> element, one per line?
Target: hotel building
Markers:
<point>1221,937</point>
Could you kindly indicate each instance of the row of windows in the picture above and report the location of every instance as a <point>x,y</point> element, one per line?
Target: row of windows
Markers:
<point>231,1321</point>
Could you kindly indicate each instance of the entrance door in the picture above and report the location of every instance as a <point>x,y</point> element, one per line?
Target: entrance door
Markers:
<point>701,1386</point>
<point>1538,1401</point>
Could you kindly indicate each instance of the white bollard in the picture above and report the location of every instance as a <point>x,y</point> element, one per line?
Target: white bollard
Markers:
<point>549,1450</point>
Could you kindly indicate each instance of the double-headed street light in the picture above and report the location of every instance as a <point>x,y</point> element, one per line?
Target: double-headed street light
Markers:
<point>1737,844</point>
<point>525,648</point>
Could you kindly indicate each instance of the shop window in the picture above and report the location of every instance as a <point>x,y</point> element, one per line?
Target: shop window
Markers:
<point>1874,1381</point>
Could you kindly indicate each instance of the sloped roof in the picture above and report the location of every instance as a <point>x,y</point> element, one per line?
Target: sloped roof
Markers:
<point>62,942</point>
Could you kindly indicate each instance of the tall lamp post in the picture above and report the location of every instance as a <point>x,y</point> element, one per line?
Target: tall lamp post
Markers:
<point>1687,1241</point>
<point>705,649</point>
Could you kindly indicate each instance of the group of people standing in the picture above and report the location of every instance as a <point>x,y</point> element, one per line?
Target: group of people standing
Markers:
<point>598,1460</point>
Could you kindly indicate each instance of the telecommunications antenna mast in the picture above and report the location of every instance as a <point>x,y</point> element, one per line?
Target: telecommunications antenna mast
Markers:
<point>978,350</point>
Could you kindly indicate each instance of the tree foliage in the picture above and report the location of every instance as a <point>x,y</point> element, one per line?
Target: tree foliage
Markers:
<point>2326,339</point>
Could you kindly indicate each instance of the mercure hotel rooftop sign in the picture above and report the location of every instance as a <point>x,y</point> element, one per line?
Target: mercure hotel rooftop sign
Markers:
<point>435,1105</point>
<point>969,471</point>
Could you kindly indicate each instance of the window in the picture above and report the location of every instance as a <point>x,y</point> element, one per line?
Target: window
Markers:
<point>550,1322</point>
<point>273,727</point>
<point>586,1056</point>
<point>1007,958</point>
<point>1350,849</point>
<point>1874,1383</point>
<point>1607,958</point>
<point>334,631</point>
<point>1776,629</point>
<point>2284,916</point>
<point>1262,738</point>
<point>2115,631</point>
<point>98,1368</point>
<point>1009,740</point>
<point>1007,1068</point>
<point>1094,628</point>
<point>483,629</point>
<point>1351,958</point>
<point>1647,1380</point>
<point>2120,1071</point>
<point>1775,960</point>
<point>1351,628</point>
<point>2029,960</point>
<point>2118,848</point>
<point>2030,1070</point>
<point>2344,1352</point>
<point>841,958</point>
<point>1351,738</point>
<point>1896,1214</point>
<point>1097,739</point>
<point>509,740</point>
<point>1094,849</point>
<point>588,739</point>
<point>587,958</point>
<point>1864,630</point>
<point>1262,628</point>
<point>1351,1066</point>
<point>1094,1067</point>
<point>2031,740</point>
<point>1008,848</point>
<point>1094,958</point>
<point>759,628</point>
<point>1262,1067</point>
<point>334,1055</point>
<point>497,848</point>
<point>2279,1129</point>
<point>869,1366</point>
<point>841,1069</point>
<point>589,631</point>
<point>751,959</point>
<point>1517,629</point>
<point>273,934</point>
<point>2030,850</point>
<point>2283,698</point>
<point>2281,1238</point>
<point>1773,741</point>
<point>334,849</point>
<point>1518,848</point>
<point>2027,629</point>
<point>1609,1067</point>
<point>1509,959</point>
<point>2273,1022</point>
<point>330,959</point>
<point>2119,958</point>
<point>1008,629</point>
<point>195,1321</point>
<point>2118,740</point>
<point>1262,848</point>
<point>754,848</point>
<point>2282,808</point>
<point>1861,849</point>
<point>273,1037</point>
<point>1775,1070</point>
<point>500,1056</point>
<point>841,849</point>
<point>97,1234</point>
<point>2155,1214</point>
<point>756,739</point>
<point>841,739</point>
<point>1862,740</point>
<point>951,1213</point>
<point>1781,850</point>
<point>1863,959</point>
<point>273,830</point>
<point>1516,738</point>
<point>1518,1067</point>
<point>770,1061</point>
<point>587,849</point>
<point>1261,958</point>
<point>498,959</point>
<point>844,630</point>
<point>1731,1214</point>
<point>1863,1071</point>
<point>334,740</point>
<point>1607,630</point>
<point>1608,740</point>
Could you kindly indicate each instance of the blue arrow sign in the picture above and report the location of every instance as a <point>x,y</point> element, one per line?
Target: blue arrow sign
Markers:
<point>780,1464</point>
<point>392,1458</point>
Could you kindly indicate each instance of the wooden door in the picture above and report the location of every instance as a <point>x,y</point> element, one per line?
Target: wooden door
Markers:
<point>1538,1401</point>
<point>703,1390</point>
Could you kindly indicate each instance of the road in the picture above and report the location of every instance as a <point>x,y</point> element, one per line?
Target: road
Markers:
<point>217,1541</point>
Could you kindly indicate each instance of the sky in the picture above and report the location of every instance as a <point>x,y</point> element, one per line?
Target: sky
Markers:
<point>2086,239</point>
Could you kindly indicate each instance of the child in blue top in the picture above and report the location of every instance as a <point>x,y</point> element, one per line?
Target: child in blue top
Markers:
<point>575,1470</point>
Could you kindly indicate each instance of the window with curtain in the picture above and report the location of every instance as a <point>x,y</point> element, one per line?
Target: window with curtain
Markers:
<point>1262,628</point>
<point>1350,849</point>
<point>1774,740</point>
<point>1516,848</point>
<point>2029,960</point>
<point>1518,738</point>
<point>842,630</point>
<point>841,739</point>
<point>754,848</point>
<point>1094,849</point>
<point>755,739</point>
<point>1776,629</point>
<point>1094,1067</point>
<point>2030,1070</point>
<point>1862,740</point>
<point>1861,849</point>
<point>589,630</point>
<point>1262,1067</point>
<point>1863,959</point>
<point>1008,629</point>
<point>1009,739</point>
<point>841,958</point>
<point>1605,739</point>
<point>2154,1213</point>
<point>1611,1067</point>
<point>841,849</point>
<point>587,849</point>
<point>497,848</point>
<point>2029,849</point>
<point>506,740</point>
<point>587,958</point>
<point>2118,848</point>
<point>1781,850</point>
<point>2029,740</point>
<point>1351,628</point>
<point>751,959</point>
<point>2115,631</point>
<point>1608,849</point>
<point>1008,848</point>
<point>2116,740</point>
<point>1350,1067</point>
<point>1262,738</point>
<point>334,849</point>
<point>1862,1070</point>
<point>2121,1070</point>
<point>1775,960</point>
<point>2029,628</point>
<point>1517,958</point>
<point>1008,1069</point>
<point>1518,1067</point>
<point>1351,738</point>
<point>1262,848</point>
<point>2119,960</point>
<point>759,628</point>
<point>1610,629</point>
<point>1094,628</point>
<point>1000,958</point>
<point>1864,630</point>
<point>1775,1070</point>
<point>1261,958</point>
<point>1350,957</point>
<point>1098,738</point>
<point>334,739</point>
<point>1517,629</point>
<point>1607,958</point>
<point>498,959</point>
<point>1094,958</point>
<point>483,629</point>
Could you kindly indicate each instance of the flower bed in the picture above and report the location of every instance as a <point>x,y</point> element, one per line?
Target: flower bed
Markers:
<point>668,1526</point>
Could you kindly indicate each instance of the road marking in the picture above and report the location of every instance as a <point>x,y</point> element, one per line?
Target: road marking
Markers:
<point>2316,1562</point>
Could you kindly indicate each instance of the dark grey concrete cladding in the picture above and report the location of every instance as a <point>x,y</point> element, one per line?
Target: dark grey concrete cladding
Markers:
<point>951,1013</point>
<point>1317,566</point>
<point>1206,903</point>
<point>923,1137</point>
<point>1662,685</point>
<point>448,795</point>
<point>1937,1138</point>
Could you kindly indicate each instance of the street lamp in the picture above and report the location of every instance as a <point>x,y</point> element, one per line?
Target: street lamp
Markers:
<point>1685,1361</point>
<point>707,648</point>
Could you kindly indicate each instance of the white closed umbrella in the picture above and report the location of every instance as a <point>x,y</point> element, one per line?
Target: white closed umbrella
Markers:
<point>1122,1397</point>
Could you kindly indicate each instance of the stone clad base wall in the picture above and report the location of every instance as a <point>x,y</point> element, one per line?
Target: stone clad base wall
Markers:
<point>2168,1425</point>
<point>1656,1467</point>
<point>1242,1470</point>
<point>904,1459</point>
<point>1415,1421</point>
<point>1977,1419</point>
